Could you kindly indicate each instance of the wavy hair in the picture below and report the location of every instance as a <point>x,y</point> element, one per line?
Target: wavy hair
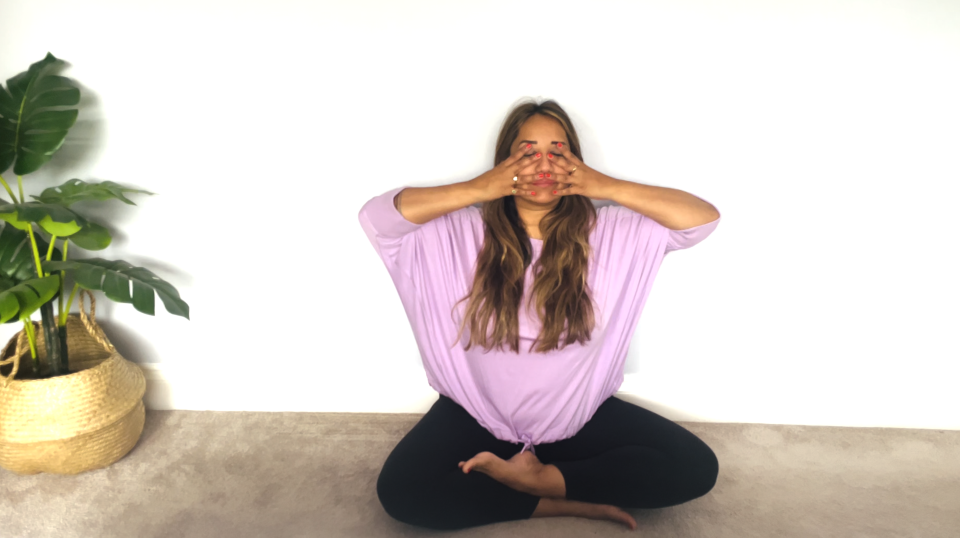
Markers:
<point>560,292</point>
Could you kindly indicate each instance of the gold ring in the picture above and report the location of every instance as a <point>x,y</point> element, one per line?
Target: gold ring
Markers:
<point>574,170</point>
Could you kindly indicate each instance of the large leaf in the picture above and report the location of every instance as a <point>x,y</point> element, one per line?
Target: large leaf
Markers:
<point>16,255</point>
<point>55,219</point>
<point>92,237</point>
<point>114,279</point>
<point>27,297</point>
<point>77,190</point>
<point>30,132</point>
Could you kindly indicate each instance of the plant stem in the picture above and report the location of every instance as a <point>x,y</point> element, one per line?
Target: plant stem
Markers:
<point>63,280</point>
<point>51,335</point>
<point>20,185</point>
<point>64,355</point>
<point>36,251</point>
<point>50,332</point>
<point>32,339</point>
<point>10,192</point>
<point>53,242</point>
<point>76,287</point>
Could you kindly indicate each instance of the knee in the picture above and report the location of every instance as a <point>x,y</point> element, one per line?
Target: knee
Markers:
<point>406,499</point>
<point>707,471</point>
<point>393,497</point>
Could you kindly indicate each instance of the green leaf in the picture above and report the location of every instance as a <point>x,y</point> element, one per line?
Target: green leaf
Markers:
<point>92,237</point>
<point>16,255</point>
<point>55,219</point>
<point>77,190</point>
<point>12,219</point>
<point>16,258</point>
<point>114,279</point>
<point>27,297</point>
<point>30,133</point>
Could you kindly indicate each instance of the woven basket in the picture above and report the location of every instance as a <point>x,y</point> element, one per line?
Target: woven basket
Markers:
<point>68,424</point>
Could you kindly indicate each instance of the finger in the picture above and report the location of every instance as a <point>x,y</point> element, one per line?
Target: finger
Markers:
<point>564,150</point>
<point>523,149</point>
<point>525,162</point>
<point>523,185</point>
<point>561,164</point>
<point>542,176</point>
<point>567,185</point>
<point>568,190</point>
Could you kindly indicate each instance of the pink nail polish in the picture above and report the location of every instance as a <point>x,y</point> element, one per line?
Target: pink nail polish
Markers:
<point>533,194</point>
<point>538,155</point>
<point>559,144</point>
<point>548,175</point>
<point>529,146</point>
<point>549,156</point>
<point>554,192</point>
<point>539,176</point>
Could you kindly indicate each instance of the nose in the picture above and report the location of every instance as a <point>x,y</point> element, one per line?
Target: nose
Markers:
<point>544,165</point>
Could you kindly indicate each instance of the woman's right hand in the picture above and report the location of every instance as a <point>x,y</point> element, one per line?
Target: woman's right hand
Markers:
<point>498,182</point>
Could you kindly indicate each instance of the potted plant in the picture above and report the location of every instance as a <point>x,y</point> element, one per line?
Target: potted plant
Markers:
<point>68,401</point>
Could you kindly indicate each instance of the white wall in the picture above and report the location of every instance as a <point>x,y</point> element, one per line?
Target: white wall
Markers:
<point>827,134</point>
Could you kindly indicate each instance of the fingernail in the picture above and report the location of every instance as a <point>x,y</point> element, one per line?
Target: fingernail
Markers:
<point>559,144</point>
<point>554,192</point>
<point>529,146</point>
<point>533,193</point>
<point>538,155</point>
<point>548,175</point>
<point>549,155</point>
<point>539,176</point>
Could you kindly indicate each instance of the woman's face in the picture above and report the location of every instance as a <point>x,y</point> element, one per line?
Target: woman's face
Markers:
<point>541,132</point>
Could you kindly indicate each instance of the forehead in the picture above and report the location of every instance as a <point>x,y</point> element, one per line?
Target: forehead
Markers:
<point>545,127</point>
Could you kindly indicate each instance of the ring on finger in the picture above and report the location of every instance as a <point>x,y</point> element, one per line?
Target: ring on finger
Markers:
<point>514,178</point>
<point>574,170</point>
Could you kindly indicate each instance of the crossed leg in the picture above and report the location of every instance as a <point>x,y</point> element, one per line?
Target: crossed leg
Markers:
<point>625,456</point>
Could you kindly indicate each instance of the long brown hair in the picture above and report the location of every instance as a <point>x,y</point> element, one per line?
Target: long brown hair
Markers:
<point>560,292</point>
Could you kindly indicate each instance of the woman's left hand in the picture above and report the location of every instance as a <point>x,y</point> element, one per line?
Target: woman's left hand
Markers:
<point>578,177</point>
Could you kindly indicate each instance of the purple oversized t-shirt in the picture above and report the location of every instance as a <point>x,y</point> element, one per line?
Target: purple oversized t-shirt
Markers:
<point>530,397</point>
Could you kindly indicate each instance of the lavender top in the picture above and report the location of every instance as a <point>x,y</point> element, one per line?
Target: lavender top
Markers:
<point>530,398</point>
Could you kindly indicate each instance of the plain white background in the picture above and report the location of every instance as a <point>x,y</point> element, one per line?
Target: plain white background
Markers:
<point>825,132</point>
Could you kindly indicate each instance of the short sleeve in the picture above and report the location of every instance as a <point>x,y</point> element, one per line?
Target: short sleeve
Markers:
<point>682,239</point>
<point>385,227</point>
<point>410,250</point>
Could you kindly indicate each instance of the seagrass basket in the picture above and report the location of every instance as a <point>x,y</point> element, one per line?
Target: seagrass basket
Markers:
<point>85,420</point>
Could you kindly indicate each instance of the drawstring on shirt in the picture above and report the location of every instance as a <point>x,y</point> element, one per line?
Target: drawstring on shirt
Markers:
<point>527,443</point>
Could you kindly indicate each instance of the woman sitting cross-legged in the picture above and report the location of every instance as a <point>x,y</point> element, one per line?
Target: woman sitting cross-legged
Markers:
<point>523,311</point>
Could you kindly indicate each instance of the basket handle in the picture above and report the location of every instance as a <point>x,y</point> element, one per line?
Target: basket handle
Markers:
<point>15,359</point>
<point>89,322</point>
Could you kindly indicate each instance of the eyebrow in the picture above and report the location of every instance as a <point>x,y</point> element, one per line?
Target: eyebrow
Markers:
<point>534,141</point>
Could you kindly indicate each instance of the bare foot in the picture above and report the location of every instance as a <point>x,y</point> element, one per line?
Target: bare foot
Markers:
<point>548,507</point>
<point>522,472</point>
<point>616,514</point>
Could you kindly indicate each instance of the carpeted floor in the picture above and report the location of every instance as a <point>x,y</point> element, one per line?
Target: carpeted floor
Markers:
<point>220,474</point>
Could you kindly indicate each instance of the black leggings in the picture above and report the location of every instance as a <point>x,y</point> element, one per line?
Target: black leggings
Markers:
<point>624,455</point>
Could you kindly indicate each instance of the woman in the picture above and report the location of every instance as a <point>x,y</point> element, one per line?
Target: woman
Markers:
<point>533,430</point>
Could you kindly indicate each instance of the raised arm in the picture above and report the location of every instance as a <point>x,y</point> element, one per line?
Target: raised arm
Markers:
<point>420,205</point>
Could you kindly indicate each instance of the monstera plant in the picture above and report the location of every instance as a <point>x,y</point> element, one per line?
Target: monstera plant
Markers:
<point>37,109</point>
